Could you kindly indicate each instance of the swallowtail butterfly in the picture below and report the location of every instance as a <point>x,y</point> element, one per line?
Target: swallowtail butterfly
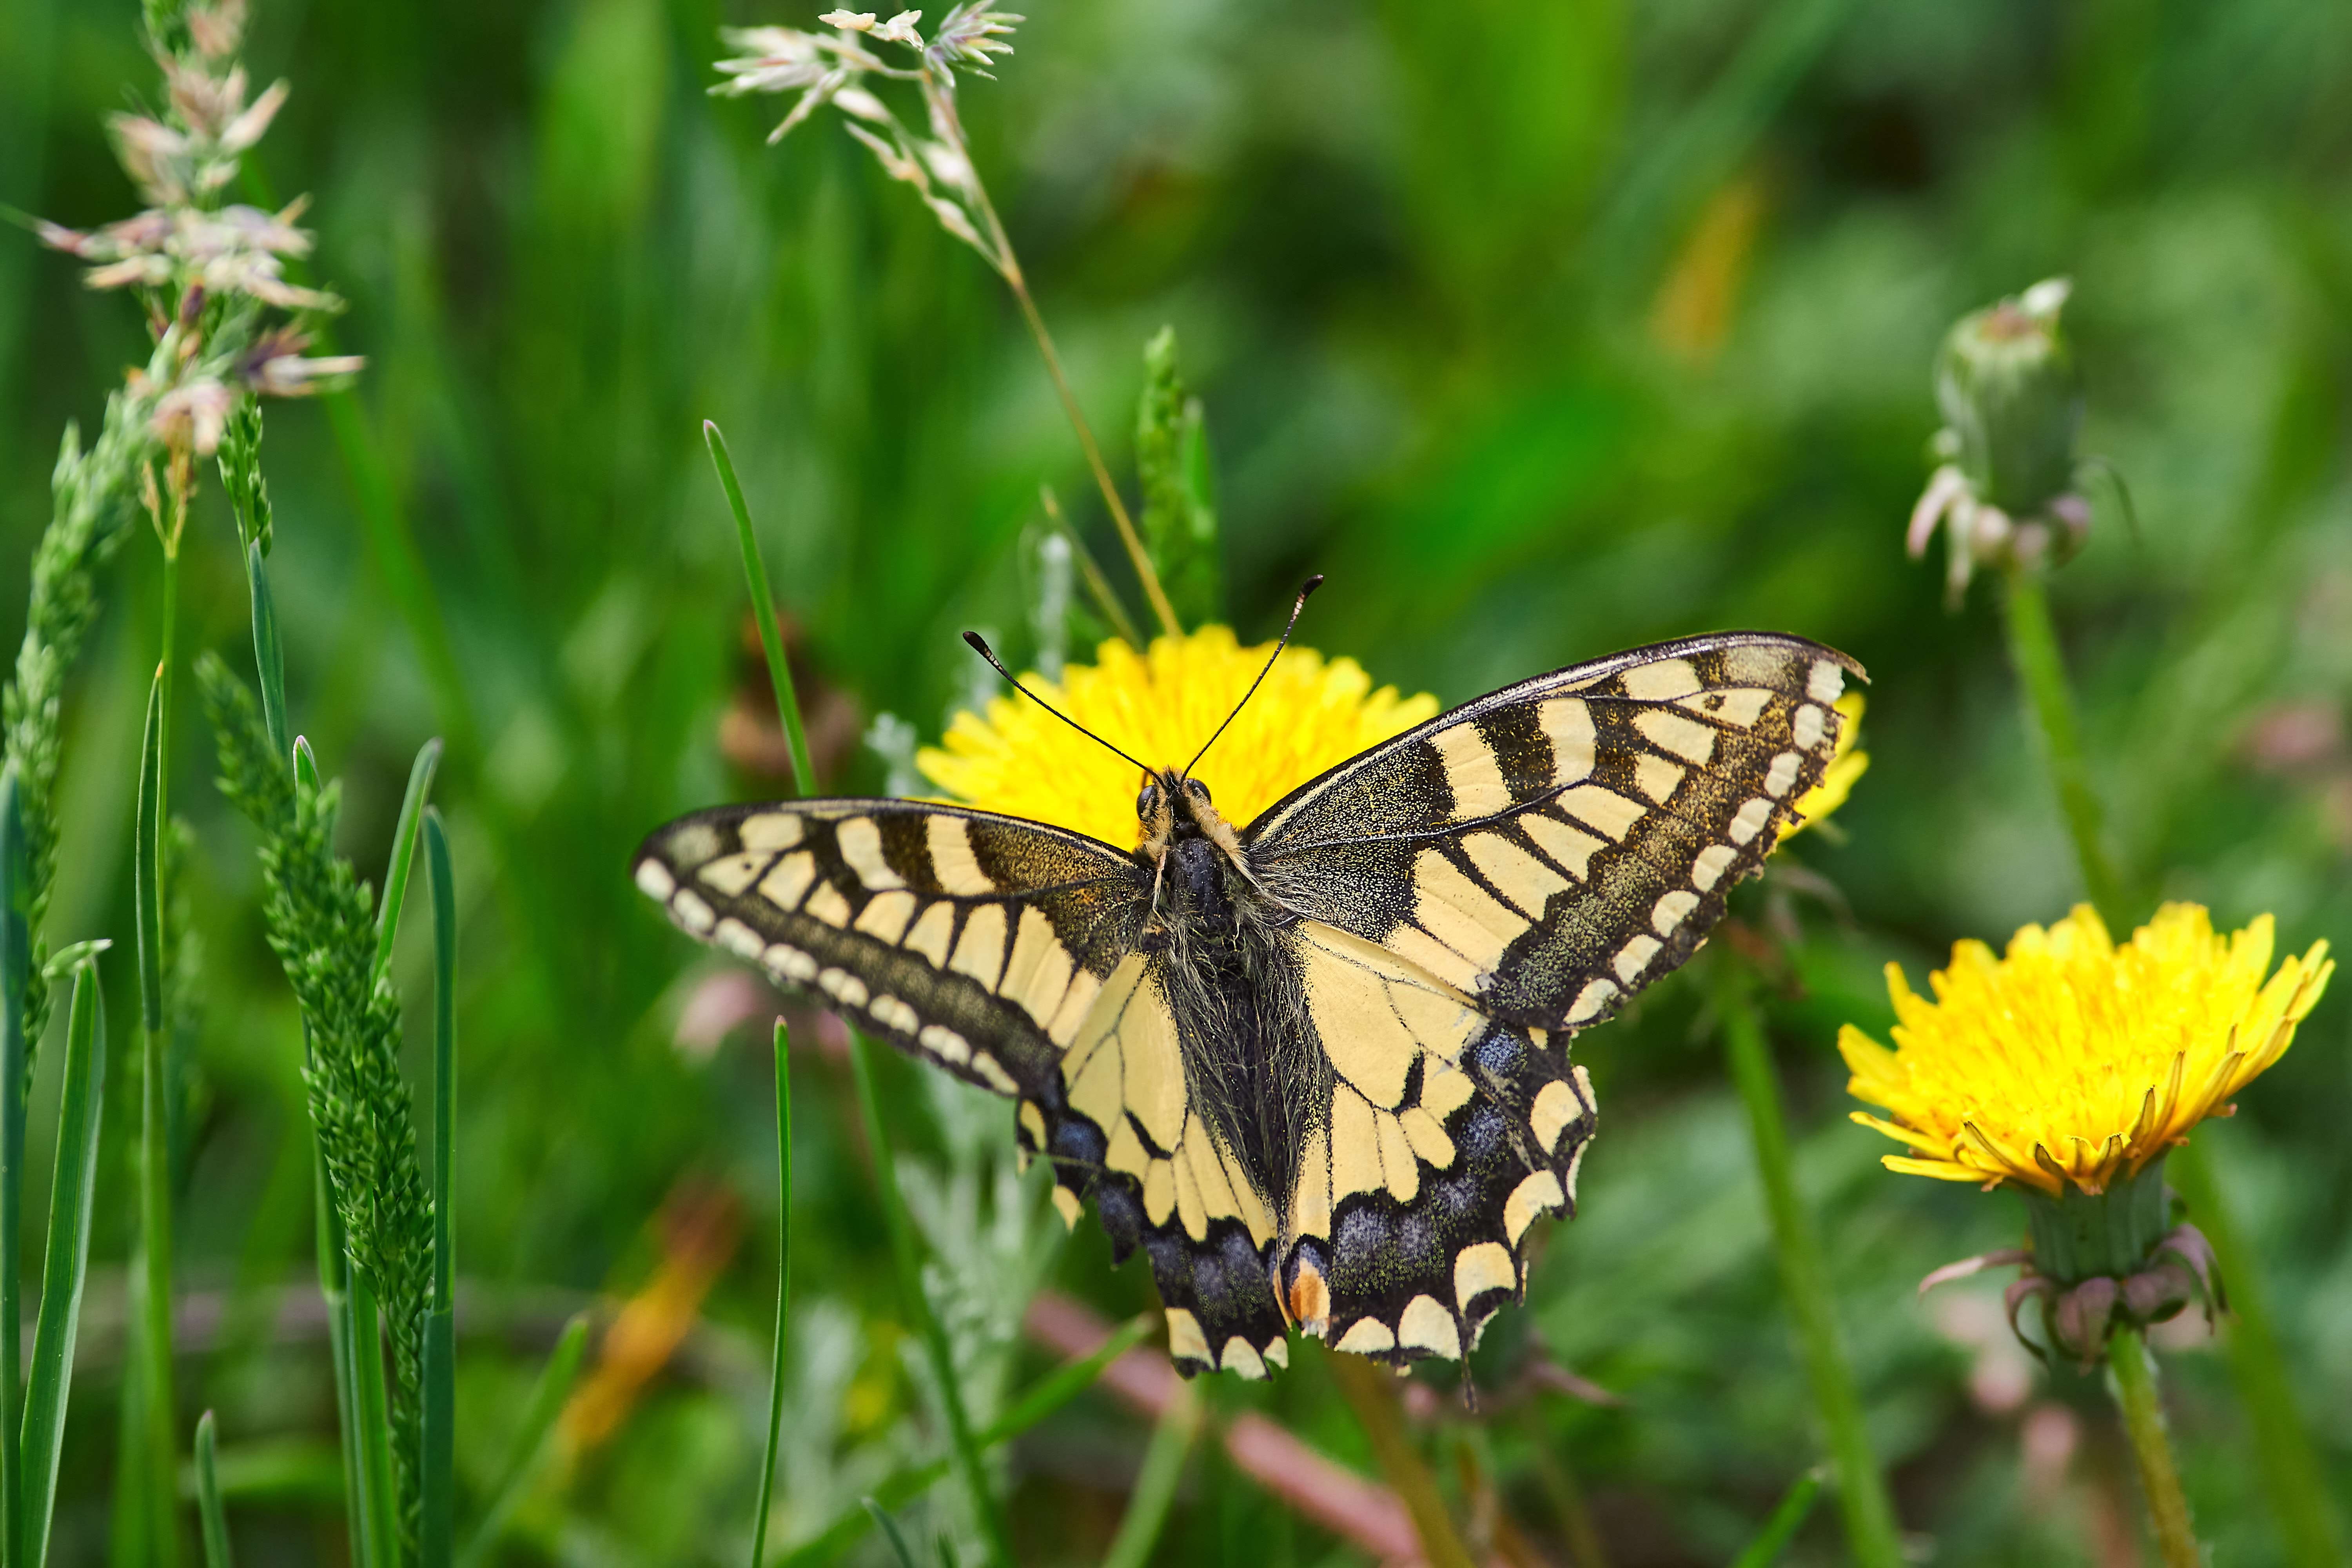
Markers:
<point>1316,1067</point>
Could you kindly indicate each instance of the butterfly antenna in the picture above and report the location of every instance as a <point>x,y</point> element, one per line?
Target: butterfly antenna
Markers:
<point>980,646</point>
<point>1297,605</point>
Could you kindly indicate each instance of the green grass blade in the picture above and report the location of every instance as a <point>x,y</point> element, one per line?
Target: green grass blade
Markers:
<point>966,1450</point>
<point>763,605</point>
<point>437,1528</point>
<point>154,1326</point>
<point>269,653</point>
<point>15,968</point>
<point>126,1532</point>
<point>404,851</point>
<point>1782,1527</point>
<point>546,1403</point>
<point>146,845</point>
<point>1155,1484</point>
<point>208,1497</point>
<point>783,1292</point>
<point>373,1422</point>
<point>889,1527</point>
<point>80,1108</point>
<point>1048,1395</point>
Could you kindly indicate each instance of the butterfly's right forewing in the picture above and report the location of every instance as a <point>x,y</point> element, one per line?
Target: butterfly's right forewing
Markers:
<point>1552,849</point>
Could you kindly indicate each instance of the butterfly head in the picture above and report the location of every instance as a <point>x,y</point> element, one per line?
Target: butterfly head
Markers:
<point>1173,808</point>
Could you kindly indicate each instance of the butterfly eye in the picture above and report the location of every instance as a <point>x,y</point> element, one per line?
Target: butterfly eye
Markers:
<point>1147,802</point>
<point>1198,788</point>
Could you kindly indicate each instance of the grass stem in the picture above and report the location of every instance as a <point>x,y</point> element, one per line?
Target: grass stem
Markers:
<point>783,1293</point>
<point>999,250</point>
<point>1862,1498</point>
<point>2168,1506</point>
<point>1155,1482</point>
<point>16,967</point>
<point>1370,1392</point>
<point>372,1421</point>
<point>437,1481</point>
<point>1780,1528</point>
<point>965,1451</point>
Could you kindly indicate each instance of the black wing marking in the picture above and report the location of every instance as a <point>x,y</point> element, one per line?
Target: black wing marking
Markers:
<point>1551,847</point>
<point>976,941</point>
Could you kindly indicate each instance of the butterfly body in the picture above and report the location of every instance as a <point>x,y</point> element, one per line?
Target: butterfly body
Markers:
<point>1315,1067</point>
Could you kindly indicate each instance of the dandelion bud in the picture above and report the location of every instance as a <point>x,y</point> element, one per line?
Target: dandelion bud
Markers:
<point>2012,402</point>
<point>2012,406</point>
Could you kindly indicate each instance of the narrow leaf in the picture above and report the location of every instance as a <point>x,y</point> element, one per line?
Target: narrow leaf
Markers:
<point>208,1497</point>
<point>890,1532</point>
<point>79,1110</point>
<point>269,654</point>
<point>540,1410</point>
<point>1781,1528</point>
<point>783,1290</point>
<point>763,605</point>
<point>403,852</point>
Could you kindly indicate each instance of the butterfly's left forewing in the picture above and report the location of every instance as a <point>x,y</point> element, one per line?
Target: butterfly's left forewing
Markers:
<point>977,942</point>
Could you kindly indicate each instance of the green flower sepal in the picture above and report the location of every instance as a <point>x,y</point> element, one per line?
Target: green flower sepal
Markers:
<point>2097,1262</point>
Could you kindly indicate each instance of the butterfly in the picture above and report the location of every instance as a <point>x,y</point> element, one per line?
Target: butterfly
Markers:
<point>1317,1067</point>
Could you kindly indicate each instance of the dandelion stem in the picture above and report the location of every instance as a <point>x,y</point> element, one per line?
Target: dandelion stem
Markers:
<point>2290,1471</point>
<point>2167,1507</point>
<point>2033,648</point>
<point>763,605</point>
<point>1804,1277</point>
<point>1370,1392</point>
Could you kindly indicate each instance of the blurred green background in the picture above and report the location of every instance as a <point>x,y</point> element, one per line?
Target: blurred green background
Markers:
<point>1542,330</point>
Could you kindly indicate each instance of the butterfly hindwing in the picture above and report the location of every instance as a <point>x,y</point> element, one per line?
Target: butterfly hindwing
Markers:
<point>1445,1135</point>
<point>1549,850</point>
<point>977,942</point>
<point>1164,1177</point>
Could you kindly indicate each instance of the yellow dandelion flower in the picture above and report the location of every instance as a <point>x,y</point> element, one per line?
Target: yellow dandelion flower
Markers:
<point>1311,714</point>
<point>1847,763</point>
<point>2070,1060</point>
